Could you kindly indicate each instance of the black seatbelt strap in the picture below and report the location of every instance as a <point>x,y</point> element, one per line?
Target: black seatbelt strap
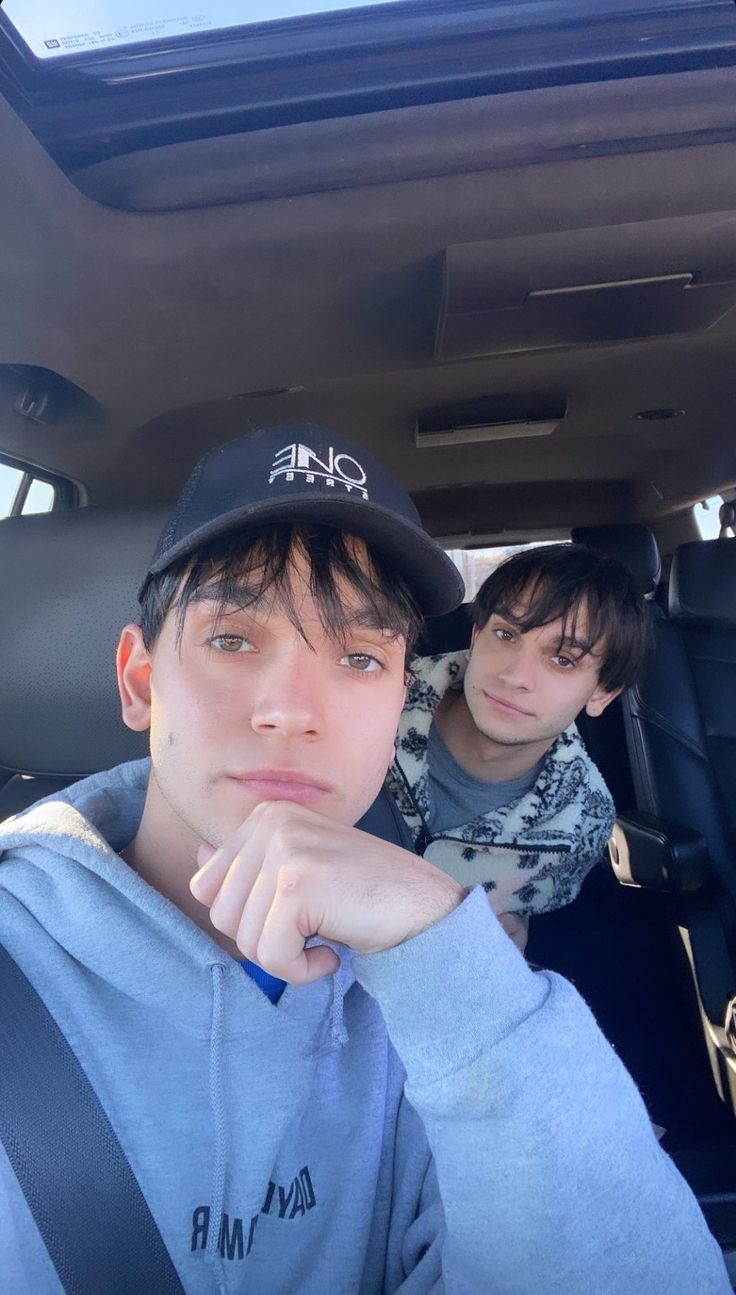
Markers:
<point>81,1191</point>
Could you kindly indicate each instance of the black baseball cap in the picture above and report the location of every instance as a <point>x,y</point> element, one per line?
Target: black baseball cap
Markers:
<point>304,473</point>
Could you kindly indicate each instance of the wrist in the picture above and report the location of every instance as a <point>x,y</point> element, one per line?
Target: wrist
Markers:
<point>438,901</point>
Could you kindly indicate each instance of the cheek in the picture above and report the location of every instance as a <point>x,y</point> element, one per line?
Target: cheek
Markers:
<point>566,702</point>
<point>181,718</point>
<point>368,741</point>
<point>476,665</point>
<point>377,724</point>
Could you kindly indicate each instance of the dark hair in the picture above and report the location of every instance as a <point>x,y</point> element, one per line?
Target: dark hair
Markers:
<point>252,565</point>
<point>568,582</point>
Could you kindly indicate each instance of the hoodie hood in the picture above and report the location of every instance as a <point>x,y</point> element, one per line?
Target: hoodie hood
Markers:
<point>61,859</point>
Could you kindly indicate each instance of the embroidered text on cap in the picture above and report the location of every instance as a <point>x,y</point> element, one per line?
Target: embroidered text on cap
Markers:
<point>300,461</point>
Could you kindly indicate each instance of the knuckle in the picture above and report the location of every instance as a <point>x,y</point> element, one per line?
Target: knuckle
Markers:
<point>289,879</point>
<point>276,817</point>
<point>261,812</point>
<point>291,836</point>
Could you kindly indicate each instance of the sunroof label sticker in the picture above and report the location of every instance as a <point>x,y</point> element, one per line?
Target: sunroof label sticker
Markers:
<point>81,26</point>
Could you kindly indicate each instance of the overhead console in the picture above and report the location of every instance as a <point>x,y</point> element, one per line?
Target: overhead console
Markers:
<point>583,286</point>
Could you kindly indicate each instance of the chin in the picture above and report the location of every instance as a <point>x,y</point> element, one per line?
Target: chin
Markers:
<point>507,739</point>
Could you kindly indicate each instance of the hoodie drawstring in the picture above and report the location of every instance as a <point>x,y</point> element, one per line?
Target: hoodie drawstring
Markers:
<point>341,982</point>
<point>218,1121</point>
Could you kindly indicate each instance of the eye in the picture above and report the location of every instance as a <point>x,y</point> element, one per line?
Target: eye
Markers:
<point>503,634</point>
<point>231,643</point>
<point>362,662</point>
<point>566,662</point>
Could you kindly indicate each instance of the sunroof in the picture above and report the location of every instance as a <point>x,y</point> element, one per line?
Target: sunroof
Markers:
<point>82,26</point>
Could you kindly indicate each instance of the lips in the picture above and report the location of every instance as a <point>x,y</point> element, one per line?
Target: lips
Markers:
<point>507,707</point>
<point>282,784</point>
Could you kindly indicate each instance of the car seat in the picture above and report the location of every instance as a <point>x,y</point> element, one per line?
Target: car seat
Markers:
<point>680,724</point>
<point>68,583</point>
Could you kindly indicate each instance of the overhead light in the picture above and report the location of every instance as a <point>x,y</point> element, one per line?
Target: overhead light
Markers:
<point>472,433</point>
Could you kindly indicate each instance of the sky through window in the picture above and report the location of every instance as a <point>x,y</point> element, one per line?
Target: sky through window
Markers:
<point>53,30</point>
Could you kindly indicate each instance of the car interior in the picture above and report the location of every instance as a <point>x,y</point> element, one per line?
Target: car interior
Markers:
<point>496,245</point>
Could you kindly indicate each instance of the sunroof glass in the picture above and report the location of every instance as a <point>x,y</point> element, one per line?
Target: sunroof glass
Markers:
<point>81,26</point>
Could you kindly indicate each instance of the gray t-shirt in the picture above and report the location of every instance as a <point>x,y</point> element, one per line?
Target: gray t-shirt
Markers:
<point>456,797</point>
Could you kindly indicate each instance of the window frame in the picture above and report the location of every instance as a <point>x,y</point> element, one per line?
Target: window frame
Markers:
<point>66,492</point>
<point>90,106</point>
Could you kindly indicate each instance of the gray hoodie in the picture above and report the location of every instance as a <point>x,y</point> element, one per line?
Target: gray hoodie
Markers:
<point>435,1118</point>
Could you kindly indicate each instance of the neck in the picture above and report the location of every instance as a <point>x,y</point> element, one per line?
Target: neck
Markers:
<point>479,755</point>
<point>169,867</point>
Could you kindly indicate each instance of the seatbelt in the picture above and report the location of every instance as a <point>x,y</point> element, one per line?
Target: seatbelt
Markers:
<point>82,1193</point>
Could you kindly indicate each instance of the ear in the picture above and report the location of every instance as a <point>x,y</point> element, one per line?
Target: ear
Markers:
<point>473,637</point>
<point>596,704</point>
<point>134,679</point>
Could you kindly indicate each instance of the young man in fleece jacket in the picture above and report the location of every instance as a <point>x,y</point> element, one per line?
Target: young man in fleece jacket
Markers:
<point>491,774</point>
<point>328,1065</point>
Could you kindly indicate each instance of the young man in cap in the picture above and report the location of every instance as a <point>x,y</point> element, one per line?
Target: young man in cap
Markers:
<point>490,772</point>
<point>320,1054</point>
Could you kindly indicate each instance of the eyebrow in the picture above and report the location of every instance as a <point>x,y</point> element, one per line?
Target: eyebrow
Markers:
<point>566,640</point>
<point>366,618</point>
<point>581,645</point>
<point>240,596</point>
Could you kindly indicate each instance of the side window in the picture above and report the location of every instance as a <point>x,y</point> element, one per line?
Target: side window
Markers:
<point>40,498</point>
<point>10,479</point>
<point>21,492</point>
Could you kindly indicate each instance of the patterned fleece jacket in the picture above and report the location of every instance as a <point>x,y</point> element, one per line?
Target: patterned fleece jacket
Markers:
<point>531,855</point>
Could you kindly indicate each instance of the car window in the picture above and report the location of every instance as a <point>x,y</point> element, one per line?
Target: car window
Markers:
<point>21,492</point>
<point>51,31</point>
<point>475,565</point>
<point>10,479</point>
<point>40,497</point>
<point>707,519</point>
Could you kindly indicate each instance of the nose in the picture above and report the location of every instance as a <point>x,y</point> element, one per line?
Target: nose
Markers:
<point>287,699</point>
<point>518,666</point>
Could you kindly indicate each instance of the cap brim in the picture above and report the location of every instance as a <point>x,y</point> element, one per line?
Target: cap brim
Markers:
<point>432,577</point>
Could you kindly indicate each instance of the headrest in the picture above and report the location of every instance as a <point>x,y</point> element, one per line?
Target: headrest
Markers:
<point>633,544</point>
<point>68,584</point>
<point>448,633</point>
<point>703,582</point>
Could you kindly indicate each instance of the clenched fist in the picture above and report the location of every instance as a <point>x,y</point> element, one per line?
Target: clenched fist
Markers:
<point>289,873</point>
